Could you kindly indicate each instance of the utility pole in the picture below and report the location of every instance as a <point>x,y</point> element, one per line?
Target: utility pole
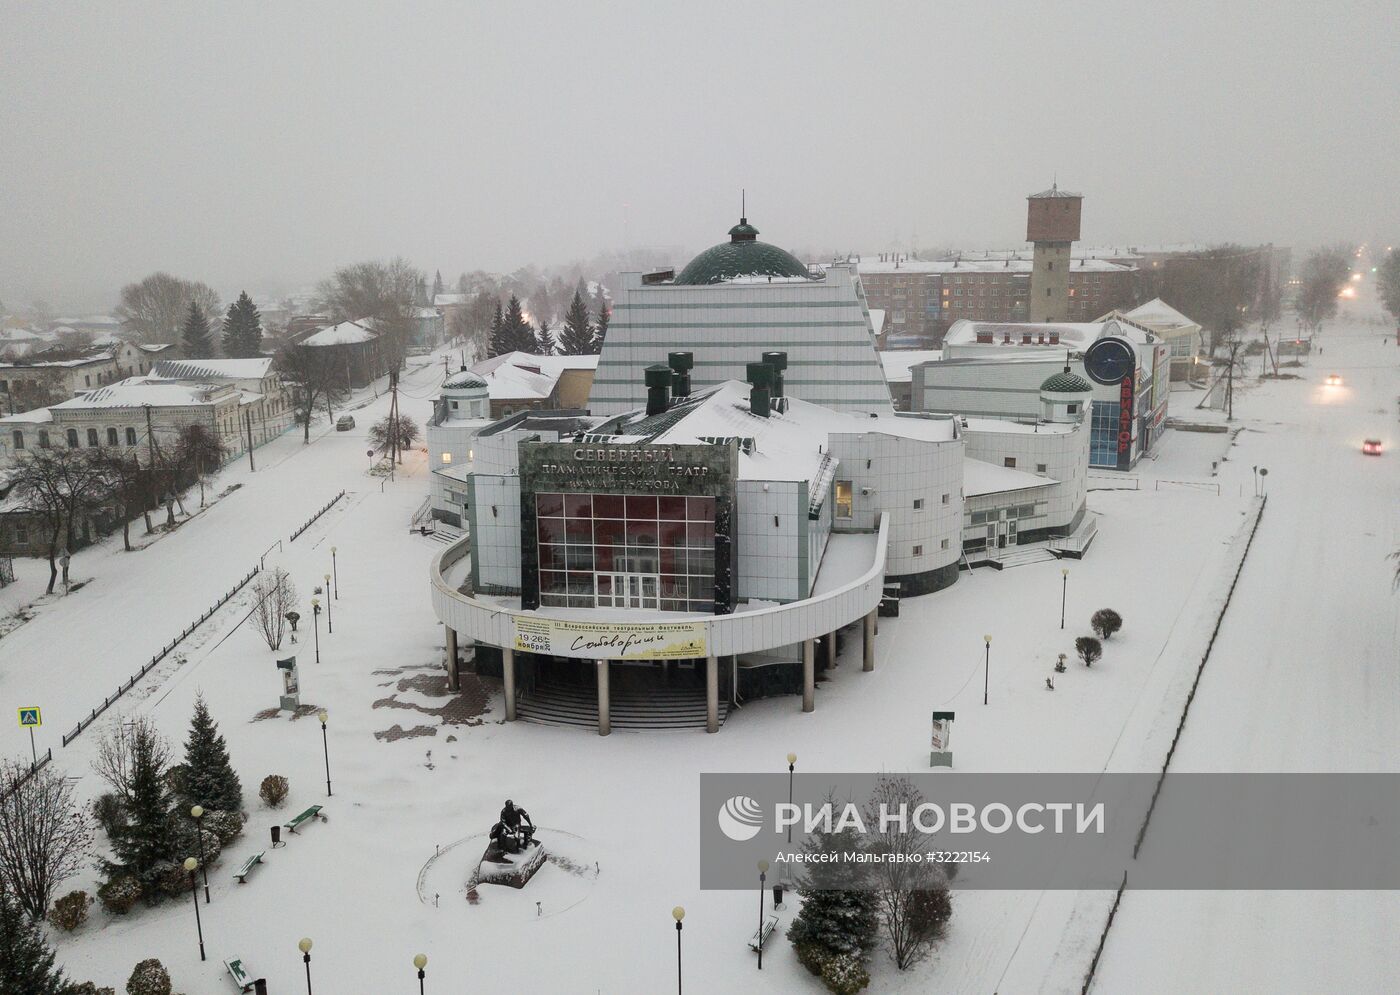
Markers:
<point>393,421</point>
<point>248,424</point>
<point>151,455</point>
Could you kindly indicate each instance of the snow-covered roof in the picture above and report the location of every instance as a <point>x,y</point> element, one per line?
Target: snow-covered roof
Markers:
<point>986,478</point>
<point>1072,334</point>
<point>137,393</point>
<point>1159,313</point>
<point>345,333</point>
<point>899,363</point>
<point>1013,265</point>
<point>522,376</point>
<point>154,346</point>
<point>446,299</point>
<point>212,369</point>
<point>36,417</point>
<point>426,312</point>
<point>877,319</point>
<point>788,445</point>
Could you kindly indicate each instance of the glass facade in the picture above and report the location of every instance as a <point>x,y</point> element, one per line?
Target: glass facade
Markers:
<point>626,551</point>
<point>1103,434</point>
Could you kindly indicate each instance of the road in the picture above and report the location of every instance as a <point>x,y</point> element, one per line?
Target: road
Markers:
<point>1304,677</point>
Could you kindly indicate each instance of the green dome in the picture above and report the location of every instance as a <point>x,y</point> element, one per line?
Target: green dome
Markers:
<point>742,255</point>
<point>1066,383</point>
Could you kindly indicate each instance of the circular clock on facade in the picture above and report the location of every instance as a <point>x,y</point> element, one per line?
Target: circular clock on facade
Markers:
<point>1109,360</point>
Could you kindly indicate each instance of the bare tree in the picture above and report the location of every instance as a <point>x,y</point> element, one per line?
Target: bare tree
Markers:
<point>1216,286</point>
<point>155,309</point>
<point>277,596</point>
<point>30,395</point>
<point>129,485</point>
<point>45,835</point>
<point>912,893</point>
<point>199,450</point>
<point>61,487</point>
<point>384,291</point>
<point>1324,273</point>
<point>116,747</point>
<point>314,377</point>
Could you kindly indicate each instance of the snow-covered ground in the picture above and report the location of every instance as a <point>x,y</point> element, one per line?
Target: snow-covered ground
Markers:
<point>366,886</point>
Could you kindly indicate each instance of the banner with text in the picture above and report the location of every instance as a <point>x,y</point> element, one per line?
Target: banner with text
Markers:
<point>610,640</point>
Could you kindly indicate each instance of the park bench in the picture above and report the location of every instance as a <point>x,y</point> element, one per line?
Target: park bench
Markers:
<point>234,966</point>
<point>306,816</point>
<point>760,936</point>
<point>246,868</point>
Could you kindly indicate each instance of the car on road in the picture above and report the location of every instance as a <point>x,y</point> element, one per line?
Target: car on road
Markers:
<point>1333,380</point>
<point>1371,447</point>
<point>345,423</point>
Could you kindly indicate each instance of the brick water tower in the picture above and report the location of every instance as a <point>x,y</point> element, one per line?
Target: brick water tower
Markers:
<point>1052,223</point>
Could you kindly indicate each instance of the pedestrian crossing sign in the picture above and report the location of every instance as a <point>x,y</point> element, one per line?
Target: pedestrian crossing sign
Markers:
<point>30,717</point>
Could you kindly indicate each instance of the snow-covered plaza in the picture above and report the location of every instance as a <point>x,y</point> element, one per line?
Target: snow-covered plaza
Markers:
<point>1302,677</point>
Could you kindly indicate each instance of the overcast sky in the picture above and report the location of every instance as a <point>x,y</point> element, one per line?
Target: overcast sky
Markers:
<point>262,145</point>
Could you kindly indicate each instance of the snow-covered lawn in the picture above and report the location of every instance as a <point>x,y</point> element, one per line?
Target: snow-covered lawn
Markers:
<point>629,802</point>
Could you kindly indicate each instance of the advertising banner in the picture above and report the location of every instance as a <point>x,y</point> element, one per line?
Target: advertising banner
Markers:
<point>610,640</point>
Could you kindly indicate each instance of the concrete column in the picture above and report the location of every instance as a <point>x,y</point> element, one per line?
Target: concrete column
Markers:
<point>712,694</point>
<point>869,641</point>
<point>452,683</point>
<point>508,670</point>
<point>831,648</point>
<point>809,675</point>
<point>604,703</point>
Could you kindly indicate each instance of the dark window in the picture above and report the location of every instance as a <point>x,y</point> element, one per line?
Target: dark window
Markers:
<point>918,551</point>
<point>19,439</point>
<point>92,438</point>
<point>130,436</point>
<point>918,503</point>
<point>1009,461</point>
<point>112,438</point>
<point>1040,468</point>
<point>43,439</point>
<point>72,438</point>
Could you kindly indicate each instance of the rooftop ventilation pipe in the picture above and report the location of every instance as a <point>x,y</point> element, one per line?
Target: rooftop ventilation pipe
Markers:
<point>778,361</point>
<point>759,376</point>
<point>680,364</point>
<point>658,381</point>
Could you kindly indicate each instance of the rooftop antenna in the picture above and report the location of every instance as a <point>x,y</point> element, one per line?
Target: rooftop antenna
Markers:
<point>743,204</point>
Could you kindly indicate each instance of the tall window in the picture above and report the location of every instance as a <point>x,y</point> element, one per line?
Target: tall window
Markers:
<point>43,439</point>
<point>112,438</point>
<point>72,438</point>
<point>845,500</point>
<point>130,436</point>
<point>626,551</point>
<point>19,439</point>
<point>93,438</point>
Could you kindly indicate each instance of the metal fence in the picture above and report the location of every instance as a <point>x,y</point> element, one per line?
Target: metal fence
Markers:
<point>146,668</point>
<point>308,523</point>
<point>33,769</point>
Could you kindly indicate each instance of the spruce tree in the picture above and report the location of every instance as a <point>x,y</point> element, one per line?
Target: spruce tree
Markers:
<point>603,316</point>
<point>210,780</point>
<point>838,915</point>
<point>577,337</point>
<point>437,286</point>
<point>544,339</point>
<point>516,333</point>
<point>242,334</point>
<point>498,342</point>
<point>195,338</point>
<point>26,962</point>
<point>147,839</point>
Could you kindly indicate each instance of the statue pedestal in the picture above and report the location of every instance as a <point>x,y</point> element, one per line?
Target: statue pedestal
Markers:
<point>517,873</point>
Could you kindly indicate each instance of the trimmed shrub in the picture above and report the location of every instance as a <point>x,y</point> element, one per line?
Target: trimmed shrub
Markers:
<point>812,956</point>
<point>1106,622</point>
<point>227,826</point>
<point>109,812</point>
<point>845,974</point>
<point>70,911</point>
<point>1089,649</point>
<point>273,790</point>
<point>120,894</point>
<point>149,978</point>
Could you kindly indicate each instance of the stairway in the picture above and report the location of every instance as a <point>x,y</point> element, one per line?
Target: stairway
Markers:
<point>1015,557</point>
<point>649,709</point>
<point>445,534</point>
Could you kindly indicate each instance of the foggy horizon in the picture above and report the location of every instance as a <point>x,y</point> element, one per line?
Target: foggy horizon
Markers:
<point>261,150</point>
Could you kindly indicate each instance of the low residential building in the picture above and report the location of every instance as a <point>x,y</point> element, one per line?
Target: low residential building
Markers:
<point>428,329</point>
<point>267,408</point>
<point>520,381</point>
<point>354,346</point>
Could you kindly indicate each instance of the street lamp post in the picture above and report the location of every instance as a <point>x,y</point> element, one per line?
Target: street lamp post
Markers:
<point>330,623</point>
<point>762,880</point>
<point>792,765</point>
<point>420,961</point>
<point>1064,592</point>
<point>316,625</point>
<point>678,914</point>
<point>986,668</point>
<point>305,947</point>
<point>325,750</point>
<point>190,865</point>
<point>197,814</point>
<point>335,574</point>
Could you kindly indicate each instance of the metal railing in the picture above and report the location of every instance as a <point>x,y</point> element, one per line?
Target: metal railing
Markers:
<point>29,772</point>
<point>147,667</point>
<point>310,521</point>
